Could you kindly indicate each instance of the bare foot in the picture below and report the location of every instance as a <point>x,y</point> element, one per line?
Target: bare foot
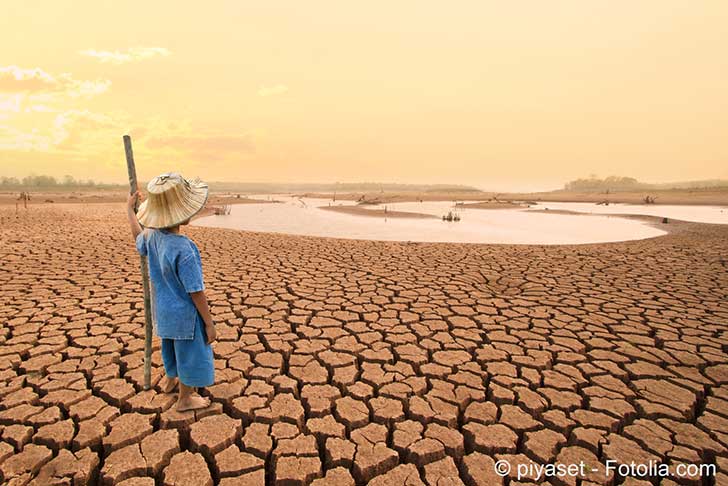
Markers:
<point>193,402</point>
<point>168,384</point>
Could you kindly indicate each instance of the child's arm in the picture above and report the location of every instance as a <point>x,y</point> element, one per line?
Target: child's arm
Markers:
<point>200,301</point>
<point>133,222</point>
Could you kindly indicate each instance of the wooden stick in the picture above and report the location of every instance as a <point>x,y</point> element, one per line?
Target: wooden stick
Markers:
<point>145,273</point>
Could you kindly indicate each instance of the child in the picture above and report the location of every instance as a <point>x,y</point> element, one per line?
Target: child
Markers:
<point>182,316</point>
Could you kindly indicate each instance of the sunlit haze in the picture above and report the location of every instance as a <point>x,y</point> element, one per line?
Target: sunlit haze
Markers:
<point>500,95</point>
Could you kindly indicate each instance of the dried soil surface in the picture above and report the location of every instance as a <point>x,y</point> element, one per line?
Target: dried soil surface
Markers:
<point>344,362</point>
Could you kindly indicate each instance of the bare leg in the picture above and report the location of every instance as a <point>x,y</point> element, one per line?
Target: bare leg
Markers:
<point>188,400</point>
<point>168,384</point>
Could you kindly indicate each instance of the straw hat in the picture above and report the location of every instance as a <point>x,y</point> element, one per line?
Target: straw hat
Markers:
<point>172,200</point>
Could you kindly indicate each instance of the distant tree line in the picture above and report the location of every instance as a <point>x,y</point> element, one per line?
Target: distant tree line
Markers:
<point>611,183</point>
<point>46,181</point>
<point>619,184</point>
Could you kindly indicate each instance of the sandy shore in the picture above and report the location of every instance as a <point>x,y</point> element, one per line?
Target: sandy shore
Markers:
<point>376,213</point>
<point>44,199</point>
<point>392,197</point>
<point>696,197</point>
<point>485,200</point>
<point>681,197</point>
<point>94,197</point>
<point>62,197</point>
<point>357,360</point>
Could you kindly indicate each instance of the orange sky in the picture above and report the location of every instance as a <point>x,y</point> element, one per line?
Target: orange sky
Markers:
<point>490,93</point>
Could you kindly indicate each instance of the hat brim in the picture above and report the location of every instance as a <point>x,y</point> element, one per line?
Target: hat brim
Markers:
<point>163,211</point>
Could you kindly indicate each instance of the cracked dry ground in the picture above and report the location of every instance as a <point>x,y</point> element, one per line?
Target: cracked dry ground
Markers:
<point>351,362</point>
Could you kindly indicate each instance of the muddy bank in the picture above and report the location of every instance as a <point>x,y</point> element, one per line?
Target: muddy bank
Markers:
<point>376,213</point>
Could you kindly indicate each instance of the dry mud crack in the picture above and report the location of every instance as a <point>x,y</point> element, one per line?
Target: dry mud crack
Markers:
<point>351,362</point>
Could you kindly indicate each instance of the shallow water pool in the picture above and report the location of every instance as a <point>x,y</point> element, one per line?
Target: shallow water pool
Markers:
<point>698,214</point>
<point>303,216</point>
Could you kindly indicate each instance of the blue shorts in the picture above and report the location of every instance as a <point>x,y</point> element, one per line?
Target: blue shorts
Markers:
<point>190,359</point>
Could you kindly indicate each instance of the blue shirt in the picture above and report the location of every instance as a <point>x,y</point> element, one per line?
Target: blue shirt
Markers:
<point>175,270</point>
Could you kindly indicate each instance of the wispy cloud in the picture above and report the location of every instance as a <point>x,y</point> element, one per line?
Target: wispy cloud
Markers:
<point>12,138</point>
<point>276,89</point>
<point>10,103</point>
<point>66,130</point>
<point>15,79</point>
<point>37,82</point>
<point>131,54</point>
<point>44,113</point>
<point>80,118</point>
<point>87,88</point>
<point>40,110</point>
